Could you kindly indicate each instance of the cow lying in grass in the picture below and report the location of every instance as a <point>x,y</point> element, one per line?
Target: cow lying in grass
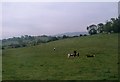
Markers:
<point>90,55</point>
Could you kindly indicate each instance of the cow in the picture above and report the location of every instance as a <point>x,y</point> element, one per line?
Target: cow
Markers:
<point>90,55</point>
<point>69,55</point>
<point>73,55</point>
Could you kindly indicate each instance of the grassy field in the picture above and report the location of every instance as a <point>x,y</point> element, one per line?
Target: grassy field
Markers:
<point>0,65</point>
<point>42,63</point>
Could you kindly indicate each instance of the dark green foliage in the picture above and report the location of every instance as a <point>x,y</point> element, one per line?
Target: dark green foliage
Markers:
<point>85,35</point>
<point>100,28</point>
<point>108,27</point>
<point>92,29</point>
<point>111,26</point>
<point>2,47</point>
<point>14,45</point>
<point>64,36</point>
<point>26,40</point>
<point>81,35</point>
<point>54,39</point>
<point>75,36</point>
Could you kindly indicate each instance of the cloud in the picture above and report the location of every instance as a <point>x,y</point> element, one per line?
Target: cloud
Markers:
<point>53,17</point>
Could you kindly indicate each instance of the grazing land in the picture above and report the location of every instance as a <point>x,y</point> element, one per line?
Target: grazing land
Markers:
<point>0,65</point>
<point>41,62</point>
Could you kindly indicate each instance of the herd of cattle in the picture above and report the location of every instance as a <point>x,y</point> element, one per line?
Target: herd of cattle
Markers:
<point>75,53</point>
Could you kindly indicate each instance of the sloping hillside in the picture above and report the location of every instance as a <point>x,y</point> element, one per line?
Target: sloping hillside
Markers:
<point>43,63</point>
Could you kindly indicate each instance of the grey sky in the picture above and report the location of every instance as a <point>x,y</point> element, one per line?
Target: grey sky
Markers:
<point>53,18</point>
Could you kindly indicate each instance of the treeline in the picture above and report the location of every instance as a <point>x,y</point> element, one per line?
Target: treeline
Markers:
<point>111,26</point>
<point>26,40</point>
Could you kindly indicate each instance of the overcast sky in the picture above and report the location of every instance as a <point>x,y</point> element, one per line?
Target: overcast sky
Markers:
<point>53,17</point>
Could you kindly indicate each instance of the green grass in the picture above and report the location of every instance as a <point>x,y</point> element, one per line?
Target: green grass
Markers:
<point>0,65</point>
<point>42,63</point>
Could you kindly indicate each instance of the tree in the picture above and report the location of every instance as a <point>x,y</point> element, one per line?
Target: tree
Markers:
<point>112,25</point>
<point>100,28</point>
<point>108,27</point>
<point>54,38</point>
<point>64,36</point>
<point>92,29</point>
<point>81,35</point>
<point>75,36</point>
<point>116,25</point>
<point>3,48</point>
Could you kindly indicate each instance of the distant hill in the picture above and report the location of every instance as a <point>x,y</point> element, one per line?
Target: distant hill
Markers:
<point>28,40</point>
<point>71,34</point>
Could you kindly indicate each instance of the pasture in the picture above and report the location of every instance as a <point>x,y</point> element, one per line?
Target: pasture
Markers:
<point>0,64</point>
<point>41,62</point>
